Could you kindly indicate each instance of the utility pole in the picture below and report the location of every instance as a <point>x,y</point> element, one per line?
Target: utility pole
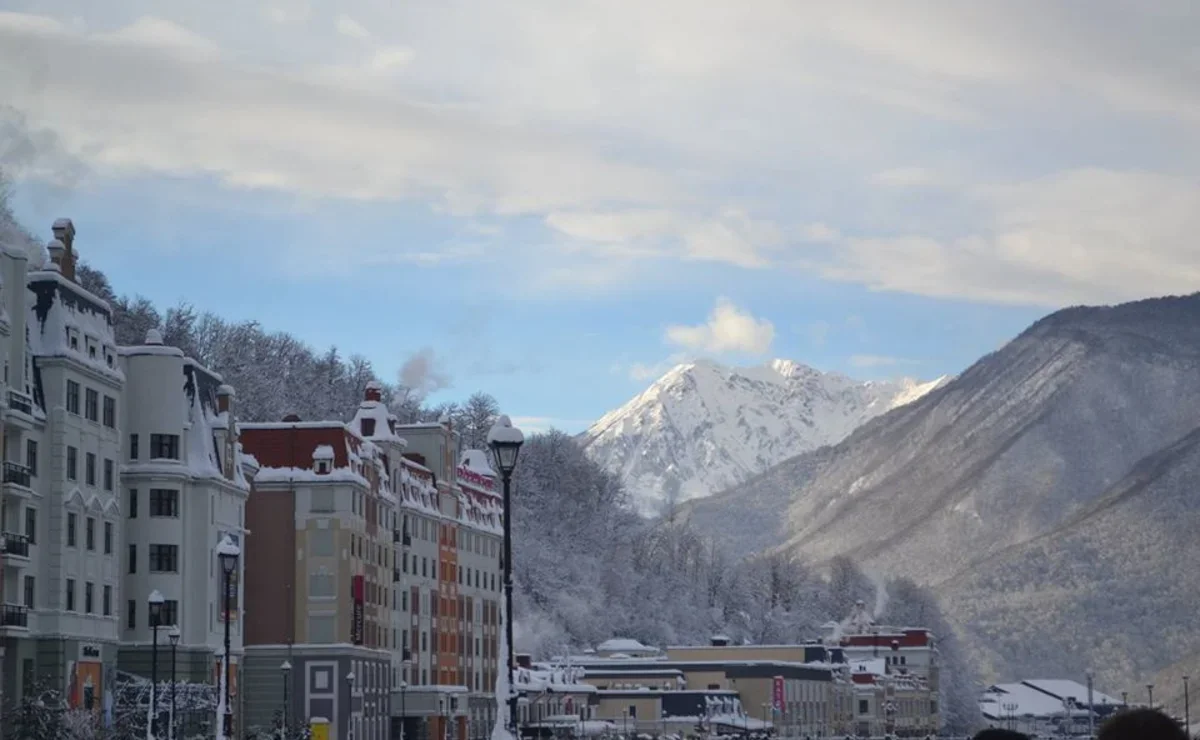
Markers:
<point>1091,710</point>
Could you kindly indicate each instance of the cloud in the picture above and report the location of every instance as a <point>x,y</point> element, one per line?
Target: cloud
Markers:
<point>351,28</point>
<point>838,111</point>
<point>903,177</point>
<point>728,329</point>
<point>818,333</point>
<point>871,361</point>
<point>1079,236</point>
<point>543,424</point>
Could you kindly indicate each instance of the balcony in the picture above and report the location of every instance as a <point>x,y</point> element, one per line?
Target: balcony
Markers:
<point>14,545</point>
<point>20,402</point>
<point>14,616</point>
<point>16,474</point>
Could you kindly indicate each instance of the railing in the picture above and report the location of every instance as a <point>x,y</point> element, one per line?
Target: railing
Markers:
<point>14,616</point>
<point>16,473</point>
<point>20,402</point>
<point>14,544</point>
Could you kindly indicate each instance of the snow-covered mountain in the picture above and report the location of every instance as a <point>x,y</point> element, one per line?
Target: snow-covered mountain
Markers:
<point>704,427</point>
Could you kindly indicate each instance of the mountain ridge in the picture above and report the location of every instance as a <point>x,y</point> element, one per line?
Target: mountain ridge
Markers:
<point>704,426</point>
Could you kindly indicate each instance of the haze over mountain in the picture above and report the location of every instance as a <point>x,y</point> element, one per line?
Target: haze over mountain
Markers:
<point>704,427</point>
<point>1047,494</point>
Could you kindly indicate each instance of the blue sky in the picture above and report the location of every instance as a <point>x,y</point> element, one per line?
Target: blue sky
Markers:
<point>558,203</point>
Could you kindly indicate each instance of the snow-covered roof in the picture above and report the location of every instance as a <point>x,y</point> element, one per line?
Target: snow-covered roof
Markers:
<point>559,679</point>
<point>477,462</point>
<point>1067,689</point>
<point>1029,702</point>
<point>323,452</point>
<point>64,310</point>
<point>624,645</point>
<point>376,411</point>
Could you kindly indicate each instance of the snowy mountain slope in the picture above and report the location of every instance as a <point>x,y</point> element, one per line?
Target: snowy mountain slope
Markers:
<point>1113,589</point>
<point>704,427</point>
<point>1012,448</point>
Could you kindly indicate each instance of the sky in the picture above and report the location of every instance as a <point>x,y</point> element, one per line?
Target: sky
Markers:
<point>555,202</point>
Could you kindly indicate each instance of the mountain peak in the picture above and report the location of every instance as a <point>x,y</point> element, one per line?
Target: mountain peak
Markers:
<point>703,426</point>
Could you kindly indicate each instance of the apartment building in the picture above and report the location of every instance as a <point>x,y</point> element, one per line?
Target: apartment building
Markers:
<point>185,488</point>
<point>320,578</point>
<point>61,518</point>
<point>452,516</point>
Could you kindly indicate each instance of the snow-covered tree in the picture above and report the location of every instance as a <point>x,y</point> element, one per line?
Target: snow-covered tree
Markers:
<point>195,705</point>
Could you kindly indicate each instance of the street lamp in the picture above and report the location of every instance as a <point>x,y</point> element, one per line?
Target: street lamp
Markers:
<point>156,603</point>
<point>286,670</point>
<point>1150,694</point>
<point>174,634</point>
<point>350,705</point>
<point>1187,708</point>
<point>1091,708</point>
<point>505,441</point>
<point>228,553</point>
<point>404,666</point>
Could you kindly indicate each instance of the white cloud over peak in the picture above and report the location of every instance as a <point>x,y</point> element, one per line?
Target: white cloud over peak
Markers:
<point>729,329</point>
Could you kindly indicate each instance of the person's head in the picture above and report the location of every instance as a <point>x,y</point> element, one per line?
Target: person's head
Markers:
<point>1141,724</point>
<point>993,733</point>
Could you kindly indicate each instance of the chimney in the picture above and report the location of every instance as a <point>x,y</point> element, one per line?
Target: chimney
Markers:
<point>374,392</point>
<point>64,232</point>
<point>225,394</point>
<point>525,660</point>
<point>153,337</point>
<point>57,250</point>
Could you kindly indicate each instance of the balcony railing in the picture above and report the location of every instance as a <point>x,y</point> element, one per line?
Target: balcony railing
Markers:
<point>20,402</point>
<point>14,544</point>
<point>16,473</point>
<point>14,616</point>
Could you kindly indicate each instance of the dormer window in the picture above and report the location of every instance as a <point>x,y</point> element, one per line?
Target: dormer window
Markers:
<point>322,467</point>
<point>91,347</point>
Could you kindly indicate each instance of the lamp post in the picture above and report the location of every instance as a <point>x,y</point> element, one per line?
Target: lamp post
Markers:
<point>350,705</point>
<point>1125,700</point>
<point>156,602</point>
<point>286,670</point>
<point>1091,710</point>
<point>174,634</point>
<point>1187,708</point>
<point>505,441</point>
<point>1150,694</point>
<point>228,553</point>
<point>405,664</point>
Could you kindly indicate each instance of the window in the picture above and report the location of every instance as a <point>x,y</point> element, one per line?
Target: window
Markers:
<point>864,706</point>
<point>321,585</point>
<point>109,474</point>
<point>164,446</point>
<point>164,502</point>
<point>71,529</point>
<point>131,613</point>
<point>90,468</point>
<point>110,412</point>
<point>320,543</point>
<point>108,538</point>
<point>72,463</point>
<point>322,629</point>
<point>30,589</point>
<point>164,559</point>
<point>72,397</point>
<point>169,614</point>
<point>89,596</point>
<point>321,499</point>
<point>91,405</point>
<point>107,603</point>
<point>31,524</point>
<point>133,447</point>
<point>70,594</point>
<point>133,503</point>
<point>132,558</point>
<point>31,456</point>
<point>89,533</point>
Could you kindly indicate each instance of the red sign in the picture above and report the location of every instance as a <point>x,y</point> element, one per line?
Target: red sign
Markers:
<point>778,698</point>
<point>470,476</point>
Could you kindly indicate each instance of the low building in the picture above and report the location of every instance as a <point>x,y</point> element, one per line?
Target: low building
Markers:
<point>548,693</point>
<point>1045,707</point>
